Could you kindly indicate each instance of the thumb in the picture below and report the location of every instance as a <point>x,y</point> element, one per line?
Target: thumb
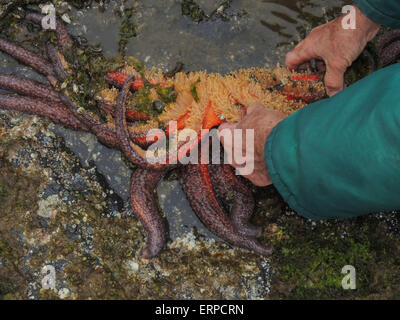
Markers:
<point>334,79</point>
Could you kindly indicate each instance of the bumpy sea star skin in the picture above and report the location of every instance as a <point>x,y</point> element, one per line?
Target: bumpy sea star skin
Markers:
<point>196,182</point>
<point>144,204</point>
<point>131,115</point>
<point>224,182</point>
<point>56,112</point>
<point>50,105</point>
<point>388,47</point>
<point>390,53</point>
<point>122,127</point>
<point>386,38</point>
<point>28,87</point>
<point>56,62</point>
<point>64,40</point>
<point>27,57</point>
<point>133,152</point>
<point>104,134</point>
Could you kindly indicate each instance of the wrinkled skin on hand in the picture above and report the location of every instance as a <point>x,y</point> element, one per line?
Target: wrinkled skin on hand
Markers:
<point>336,46</point>
<point>262,120</point>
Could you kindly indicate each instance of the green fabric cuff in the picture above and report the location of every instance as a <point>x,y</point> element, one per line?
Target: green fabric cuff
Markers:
<point>275,165</point>
<point>385,12</point>
<point>340,157</point>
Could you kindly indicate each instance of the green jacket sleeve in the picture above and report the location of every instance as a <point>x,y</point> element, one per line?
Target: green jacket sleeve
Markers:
<point>385,12</point>
<point>340,157</point>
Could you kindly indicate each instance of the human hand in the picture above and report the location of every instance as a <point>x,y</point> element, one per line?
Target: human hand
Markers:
<point>262,120</point>
<point>336,46</point>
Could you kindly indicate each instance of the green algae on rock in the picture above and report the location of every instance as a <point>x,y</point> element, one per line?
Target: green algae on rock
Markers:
<point>309,256</point>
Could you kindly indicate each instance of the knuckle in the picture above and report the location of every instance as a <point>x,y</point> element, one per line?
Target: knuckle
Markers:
<point>291,55</point>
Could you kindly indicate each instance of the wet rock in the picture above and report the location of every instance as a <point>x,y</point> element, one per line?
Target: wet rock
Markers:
<point>48,207</point>
<point>64,197</point>
<point>82,230</point>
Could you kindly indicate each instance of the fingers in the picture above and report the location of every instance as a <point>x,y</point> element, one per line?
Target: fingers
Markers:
<point>258,178</point>
<point>226,136</point>
<point>244,150</point>
<point>300,54</point>
<point>257,175</point>
<point>334,78</point>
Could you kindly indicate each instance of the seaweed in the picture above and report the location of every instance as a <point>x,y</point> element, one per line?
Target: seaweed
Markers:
<point>193,91</point>
<point>127,29</point>
<point>167,95</point>
<point>191,9</point>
